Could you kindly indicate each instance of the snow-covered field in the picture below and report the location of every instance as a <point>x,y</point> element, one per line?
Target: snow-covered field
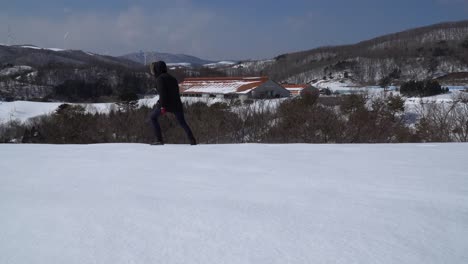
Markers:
<point>24,110</point>
<point>130,203</point>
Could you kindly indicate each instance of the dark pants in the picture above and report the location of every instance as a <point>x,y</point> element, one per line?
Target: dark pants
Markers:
<point>180,118</point>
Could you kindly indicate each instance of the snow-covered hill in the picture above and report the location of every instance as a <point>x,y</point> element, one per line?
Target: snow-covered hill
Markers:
<point>234,204</point>
<point>429,52</point>
<point>35,56</point>
<point>28,72</point>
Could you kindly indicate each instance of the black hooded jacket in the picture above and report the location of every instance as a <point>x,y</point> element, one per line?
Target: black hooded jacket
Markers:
<point>168,88</point>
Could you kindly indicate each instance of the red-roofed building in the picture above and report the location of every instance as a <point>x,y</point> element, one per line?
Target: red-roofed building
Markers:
<point>233,87</point>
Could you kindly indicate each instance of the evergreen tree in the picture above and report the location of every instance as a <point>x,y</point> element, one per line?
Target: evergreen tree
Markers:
<point>128,100</point>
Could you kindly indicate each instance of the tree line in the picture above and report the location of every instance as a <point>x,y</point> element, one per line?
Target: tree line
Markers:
<point>356,118</point>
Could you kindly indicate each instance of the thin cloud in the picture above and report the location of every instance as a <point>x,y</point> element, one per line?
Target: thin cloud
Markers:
<point>181,26</point>
<point>453,1</point>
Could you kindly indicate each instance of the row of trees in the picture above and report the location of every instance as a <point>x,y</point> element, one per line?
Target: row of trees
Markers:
<point>77,83</point>
<point>311,119</point>
<point>422,88</point>
<point>82,91</point>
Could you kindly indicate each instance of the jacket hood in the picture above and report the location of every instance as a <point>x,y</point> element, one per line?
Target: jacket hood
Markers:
<point>158,68</point>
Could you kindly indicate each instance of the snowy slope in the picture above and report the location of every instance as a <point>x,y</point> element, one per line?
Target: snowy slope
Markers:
<point>15,70</point>
<point>220,64</point>
<point>262,204</point>
<point>24,110</point>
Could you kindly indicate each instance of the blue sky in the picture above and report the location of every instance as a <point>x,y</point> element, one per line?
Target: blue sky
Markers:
<point>215,29</point>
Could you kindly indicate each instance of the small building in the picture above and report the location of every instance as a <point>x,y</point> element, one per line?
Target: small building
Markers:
<point>300,89</point>
<point>295,89</point>
<point>233,87</point>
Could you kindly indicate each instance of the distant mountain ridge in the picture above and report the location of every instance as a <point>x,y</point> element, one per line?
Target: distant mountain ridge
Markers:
<point>36,56</point>
<point>148,57</point>
<point>30,72</point>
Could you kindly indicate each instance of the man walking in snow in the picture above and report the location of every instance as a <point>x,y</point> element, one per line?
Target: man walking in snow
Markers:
<point>169,101</point>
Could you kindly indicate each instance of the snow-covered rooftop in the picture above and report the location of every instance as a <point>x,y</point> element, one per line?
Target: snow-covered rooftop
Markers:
<point>221,85</point>
<point>295,89</point>
<point>179,64</point>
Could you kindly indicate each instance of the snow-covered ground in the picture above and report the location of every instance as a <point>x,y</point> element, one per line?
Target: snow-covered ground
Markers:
<point>130,203</point>
<point>347,86</point>
<point>24,110</point>
<point>15,70</point>
<point>448,97</point>
<point>336,85</point>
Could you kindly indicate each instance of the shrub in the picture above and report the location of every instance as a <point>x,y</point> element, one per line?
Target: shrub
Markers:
<point>464,43</point>
<point>354,118</point>
<point>77,91</point>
